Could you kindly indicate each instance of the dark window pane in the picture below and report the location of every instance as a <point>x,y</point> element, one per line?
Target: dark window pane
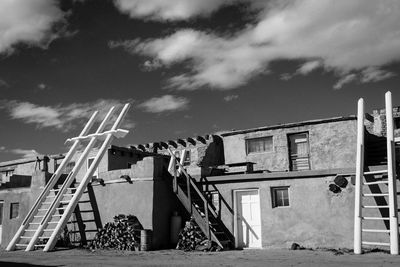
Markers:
<point>263,144</point>
<point>14,210</point>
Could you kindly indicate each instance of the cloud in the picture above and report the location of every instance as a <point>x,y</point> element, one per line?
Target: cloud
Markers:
<point>344,80</point>
<point>338,36</point>
<point>373,74</point>
<point>229,98</point>
<point>164,103</point>
<point>3,83</point>
<point>169,10</point>
<point>61,117</point>
<point>41,86</point>
<point>29,22</point>
<point>26,153</point>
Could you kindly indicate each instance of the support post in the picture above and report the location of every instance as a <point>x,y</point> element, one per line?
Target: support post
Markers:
<point>359,177</point>
<point>391,159</point>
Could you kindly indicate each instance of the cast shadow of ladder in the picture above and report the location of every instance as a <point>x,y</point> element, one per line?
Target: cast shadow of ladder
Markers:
<point>85,221</point>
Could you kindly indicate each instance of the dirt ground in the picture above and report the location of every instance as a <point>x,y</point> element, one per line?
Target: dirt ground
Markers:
<point>264,257</point>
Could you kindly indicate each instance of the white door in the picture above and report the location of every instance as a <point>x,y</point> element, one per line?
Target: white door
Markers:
<point>248,218</point>
<point>1,219</point>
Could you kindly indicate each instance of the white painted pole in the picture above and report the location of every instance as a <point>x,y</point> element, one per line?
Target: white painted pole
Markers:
<point>359,177</point>
<point>391,159</point>
<point>86,179</point>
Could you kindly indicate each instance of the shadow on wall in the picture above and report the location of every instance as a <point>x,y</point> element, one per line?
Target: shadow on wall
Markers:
<point>213,156</point>
<point>16,181</point>
<point>86,220</point>
<point>21,264</point>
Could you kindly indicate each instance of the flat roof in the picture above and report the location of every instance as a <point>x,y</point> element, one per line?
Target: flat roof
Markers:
<point>288,125</point>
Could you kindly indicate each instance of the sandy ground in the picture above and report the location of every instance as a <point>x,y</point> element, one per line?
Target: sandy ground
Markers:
<point>265,257</point>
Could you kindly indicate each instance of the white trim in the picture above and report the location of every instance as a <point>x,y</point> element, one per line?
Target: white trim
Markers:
<point>235,215</point>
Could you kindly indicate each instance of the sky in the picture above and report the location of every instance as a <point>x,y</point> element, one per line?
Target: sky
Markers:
<point>188,67</point>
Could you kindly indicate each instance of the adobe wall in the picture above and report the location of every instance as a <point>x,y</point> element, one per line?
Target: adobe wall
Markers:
<point>332,145</point>
<point>316,217</point>
<point>23,193</point>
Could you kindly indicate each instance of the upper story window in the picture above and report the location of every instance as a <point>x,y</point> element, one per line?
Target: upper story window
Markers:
<point>280,196</point>
<point>299,152</point>
<point>259,145</point>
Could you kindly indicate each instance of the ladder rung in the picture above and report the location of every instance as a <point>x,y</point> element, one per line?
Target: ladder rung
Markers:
<point>21,245</point>
<point>67,195</point>
<point>375,172</point>
<point>25,237</point>
<point>375,207</point>
<point>48,230</point>
<point>375,231</point>
<point>375,218</point>
<point>377,182</point>
<point>44,237</point>
<point>376,195</point>
<point>40,245</point>
<point>30,230</point>
<point>375,243</point>
<point>57,215</point>
<point>54,190</point>
<point>38,216</point>
<point>34,223</point>
<point>64,201</point>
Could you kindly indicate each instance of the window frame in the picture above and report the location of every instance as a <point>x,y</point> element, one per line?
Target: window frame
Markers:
<point>12,205</point>
<point>248,139</point>
<point>274,199</point>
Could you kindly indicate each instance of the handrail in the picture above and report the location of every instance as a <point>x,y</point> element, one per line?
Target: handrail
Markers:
<point>207,206</point>
<point>50,184</point>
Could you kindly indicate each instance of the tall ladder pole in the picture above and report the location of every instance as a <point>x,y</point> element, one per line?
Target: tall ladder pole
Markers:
<point>359,177</point>
<point>391,159</point>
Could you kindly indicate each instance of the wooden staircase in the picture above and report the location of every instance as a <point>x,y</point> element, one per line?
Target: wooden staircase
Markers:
<point>197,205</point>
<point>53,208</point>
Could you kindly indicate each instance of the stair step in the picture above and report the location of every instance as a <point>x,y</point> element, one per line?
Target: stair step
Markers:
<point>377,182</point>
<point>376,195</point>
<point>375,207</point>
<point>376,218</point>
<point>375,172</point>
<point>375,243</point>
<point>376,231</point>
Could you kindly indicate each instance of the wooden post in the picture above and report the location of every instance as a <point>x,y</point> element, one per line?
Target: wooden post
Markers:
<point>359,177</point>
<point>175,182</point>
<point>391,159</point>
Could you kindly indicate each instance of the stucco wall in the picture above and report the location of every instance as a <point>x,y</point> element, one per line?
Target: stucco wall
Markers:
<point>332,145</point>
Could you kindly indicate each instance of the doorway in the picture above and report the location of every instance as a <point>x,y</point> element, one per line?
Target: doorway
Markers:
<point>247,221</point>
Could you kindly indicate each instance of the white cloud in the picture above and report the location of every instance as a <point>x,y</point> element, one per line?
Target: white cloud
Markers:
<point>28,22</point>
<point>26,153</point>
<point>169,9</point>
<point>166,103</point>
<point>373,74</point>
<point>339,36</point>
<point>344,80</point>
<point>61,117</point>
<point>229,98</point>
<point>41,86</point>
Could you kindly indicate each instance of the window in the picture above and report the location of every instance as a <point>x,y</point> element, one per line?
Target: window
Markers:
<point>396,123</point>
<point>186,161</point>
<point>14,210</point>
<point>280,196</point>
<point>299,152</point>
<point>258,145</point>
<point>96,172</point>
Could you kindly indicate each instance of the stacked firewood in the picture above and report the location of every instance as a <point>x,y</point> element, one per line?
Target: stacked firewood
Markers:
<point>192,238</point>
<point>122,234</point>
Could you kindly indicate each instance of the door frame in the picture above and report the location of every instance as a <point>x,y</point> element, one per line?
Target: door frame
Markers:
<point>235,213</point>
<point>2,222</point>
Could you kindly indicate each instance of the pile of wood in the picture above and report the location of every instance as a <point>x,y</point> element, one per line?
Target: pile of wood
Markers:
<point>122,234</point>
<point>192,238</point>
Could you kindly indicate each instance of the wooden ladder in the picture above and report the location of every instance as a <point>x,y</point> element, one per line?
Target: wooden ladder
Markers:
<point>360,183</point>
<point>196,204</point>
<point>54,206</point>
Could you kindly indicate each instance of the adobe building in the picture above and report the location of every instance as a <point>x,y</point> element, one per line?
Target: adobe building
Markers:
<point>267,187</point>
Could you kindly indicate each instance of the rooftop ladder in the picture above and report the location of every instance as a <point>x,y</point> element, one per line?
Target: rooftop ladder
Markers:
<point>391,193</point>
<point>53,208</point>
